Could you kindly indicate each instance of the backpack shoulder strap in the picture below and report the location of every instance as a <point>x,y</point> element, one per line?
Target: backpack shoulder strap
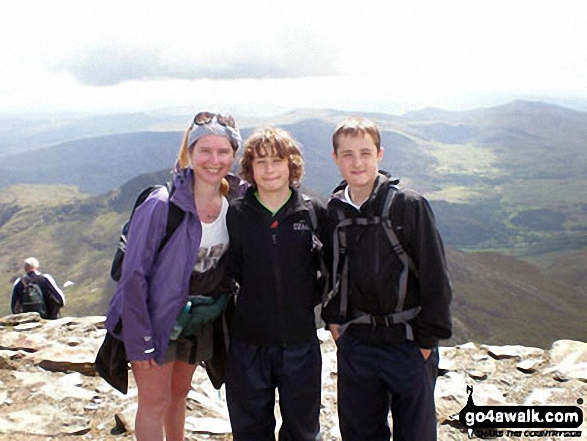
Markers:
<point>174,217</point>
<point>388,227</point>
<point>339,253</point>
<point>397,247</point>
<point>316,242</point>
<point>311,212</point>
<point>309,203</point>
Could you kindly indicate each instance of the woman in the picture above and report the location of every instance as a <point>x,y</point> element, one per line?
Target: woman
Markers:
<point>155,284</point>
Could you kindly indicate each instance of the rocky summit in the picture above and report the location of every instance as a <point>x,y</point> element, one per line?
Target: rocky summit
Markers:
<point>49,388</point>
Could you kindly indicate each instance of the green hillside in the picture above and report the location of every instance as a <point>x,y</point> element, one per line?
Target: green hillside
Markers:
<point>74,236</point>
<point>506,185</point>
<point>509,178</point>
<point>498,299</point>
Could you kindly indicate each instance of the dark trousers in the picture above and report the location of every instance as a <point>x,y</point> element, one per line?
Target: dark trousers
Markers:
<point>374,380</point>
<point>254,372</point>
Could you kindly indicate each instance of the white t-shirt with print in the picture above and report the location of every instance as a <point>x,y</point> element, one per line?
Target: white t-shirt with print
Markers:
<point>214,241</point>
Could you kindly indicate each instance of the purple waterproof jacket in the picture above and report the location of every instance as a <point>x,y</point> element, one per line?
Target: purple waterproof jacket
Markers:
<point>153,288</point>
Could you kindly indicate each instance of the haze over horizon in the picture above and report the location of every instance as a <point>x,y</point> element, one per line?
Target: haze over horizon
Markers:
<point>263,58</point>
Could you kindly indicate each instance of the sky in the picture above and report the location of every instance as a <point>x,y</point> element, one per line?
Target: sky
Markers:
<point>267,57</point>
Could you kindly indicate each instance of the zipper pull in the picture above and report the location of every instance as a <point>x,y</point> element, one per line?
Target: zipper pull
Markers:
<point>273,227</point>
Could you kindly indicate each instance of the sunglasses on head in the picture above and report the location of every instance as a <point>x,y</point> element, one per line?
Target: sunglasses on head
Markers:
<point>203,118</point>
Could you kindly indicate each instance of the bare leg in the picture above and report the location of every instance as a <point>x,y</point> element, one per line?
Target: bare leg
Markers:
<point>181,383</point>
<point>154,390</point>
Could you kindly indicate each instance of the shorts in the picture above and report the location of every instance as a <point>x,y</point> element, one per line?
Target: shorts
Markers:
<point>199,348</point>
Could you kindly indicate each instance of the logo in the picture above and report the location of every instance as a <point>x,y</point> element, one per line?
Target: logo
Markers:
<point>488,421</point>
<point>301,226</point>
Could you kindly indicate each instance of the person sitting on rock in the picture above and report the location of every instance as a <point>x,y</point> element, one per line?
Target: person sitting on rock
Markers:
<point>36,292</point>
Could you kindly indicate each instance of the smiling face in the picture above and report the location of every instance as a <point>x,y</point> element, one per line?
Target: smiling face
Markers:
<point>271,173</point>
<point>358,159</point>
<point>212,157</point>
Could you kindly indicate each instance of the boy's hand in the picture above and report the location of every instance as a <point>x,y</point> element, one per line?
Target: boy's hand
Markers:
<point>335,331</point>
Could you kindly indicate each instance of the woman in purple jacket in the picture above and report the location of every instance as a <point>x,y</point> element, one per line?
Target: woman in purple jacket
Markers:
<point>155,284</point>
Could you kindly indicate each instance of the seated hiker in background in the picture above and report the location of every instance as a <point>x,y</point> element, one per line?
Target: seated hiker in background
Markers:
<point>36,292</point>
<point>273,254</point>
<point>158,284</point>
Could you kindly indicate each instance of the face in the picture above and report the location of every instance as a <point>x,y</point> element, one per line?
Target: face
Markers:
<point>271,173</point>
<point>212,158</point>
<point>358,160</point>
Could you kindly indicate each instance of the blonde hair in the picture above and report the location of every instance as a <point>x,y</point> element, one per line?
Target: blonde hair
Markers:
<point>356,126</point>
<point>183,156</point>
<point>272,141</point>
<point>30,263</point>
<point>183,160</point>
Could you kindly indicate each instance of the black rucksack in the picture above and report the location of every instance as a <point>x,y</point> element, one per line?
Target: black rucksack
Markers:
<point>317,246</point>
<point>33,299</point>
<point>341,267</point>
<point>174,217</point>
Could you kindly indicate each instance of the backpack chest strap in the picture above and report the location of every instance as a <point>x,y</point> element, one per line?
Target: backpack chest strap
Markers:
<point>339,248</point>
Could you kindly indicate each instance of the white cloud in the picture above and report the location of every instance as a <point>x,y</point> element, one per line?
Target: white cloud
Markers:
<point>66,54</point>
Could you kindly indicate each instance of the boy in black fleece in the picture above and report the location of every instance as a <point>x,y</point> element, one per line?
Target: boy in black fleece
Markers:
<point>273,342</point>
<point>390,305</point>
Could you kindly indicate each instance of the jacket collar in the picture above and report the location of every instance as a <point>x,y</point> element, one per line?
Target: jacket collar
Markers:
<point>382,178</point>
<point>183,190</point>
<point>183,194</point>
<point>294,203</point>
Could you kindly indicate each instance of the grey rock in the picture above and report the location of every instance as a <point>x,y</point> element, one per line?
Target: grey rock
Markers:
<point>48,388</point>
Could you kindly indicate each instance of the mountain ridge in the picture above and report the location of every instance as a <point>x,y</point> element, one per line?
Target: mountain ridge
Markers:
<point>491,198</point>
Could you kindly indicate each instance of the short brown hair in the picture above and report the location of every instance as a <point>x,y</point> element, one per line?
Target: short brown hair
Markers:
<point>356,126</point>
<point>272,141</point>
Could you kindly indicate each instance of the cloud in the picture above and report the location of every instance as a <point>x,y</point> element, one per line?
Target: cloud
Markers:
<point>111,64</point>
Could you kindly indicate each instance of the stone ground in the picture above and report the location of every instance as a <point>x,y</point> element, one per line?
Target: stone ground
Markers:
<point>48,390</point>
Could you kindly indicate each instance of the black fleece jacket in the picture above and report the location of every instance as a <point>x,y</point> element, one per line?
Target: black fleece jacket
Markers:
<point>273,261</point>
<point>374,267</point>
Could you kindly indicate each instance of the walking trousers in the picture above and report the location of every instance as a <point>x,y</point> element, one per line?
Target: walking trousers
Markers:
<point>253,372</point>
<point>373,380</point>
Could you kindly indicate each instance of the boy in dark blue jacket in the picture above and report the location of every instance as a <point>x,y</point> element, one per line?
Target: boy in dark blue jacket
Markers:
<point>391,297</point>
<point>273,342</point>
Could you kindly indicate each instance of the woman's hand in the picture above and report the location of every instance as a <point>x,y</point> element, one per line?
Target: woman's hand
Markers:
<point>143,364</point>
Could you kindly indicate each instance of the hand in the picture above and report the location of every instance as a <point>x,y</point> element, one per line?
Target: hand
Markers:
<point>425,353</point>
<point>143,364</point>
<point>335,331</point>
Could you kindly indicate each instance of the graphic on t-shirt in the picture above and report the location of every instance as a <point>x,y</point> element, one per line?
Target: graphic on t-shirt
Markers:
<point>208,257</point>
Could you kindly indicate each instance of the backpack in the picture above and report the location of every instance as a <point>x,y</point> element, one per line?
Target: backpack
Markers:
<point>33,299</point>
<point>341,268</point>
<point>322,276</point>
<point>174,217</point>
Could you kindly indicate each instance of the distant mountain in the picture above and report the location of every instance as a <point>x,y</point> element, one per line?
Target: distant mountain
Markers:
<point>95,165</point>
<point>20,133</point>
<point>498,299</point>
<point>504,300</point>
<point>507,180</point>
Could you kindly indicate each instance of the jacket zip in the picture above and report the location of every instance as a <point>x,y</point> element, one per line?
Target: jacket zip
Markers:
<point>277,271</point>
